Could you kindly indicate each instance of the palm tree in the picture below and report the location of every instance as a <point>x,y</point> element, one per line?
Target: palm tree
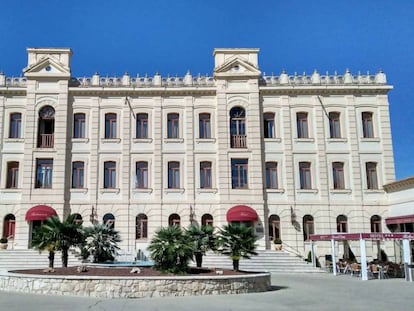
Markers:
<point>101,241</point>
<point>55,235</point>
<point>237,241</point>
<point>203,239</point>
<point>171,250</point>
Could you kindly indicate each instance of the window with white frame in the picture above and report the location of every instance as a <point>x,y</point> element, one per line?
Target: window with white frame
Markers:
<point>372,175</point>
<point>335,124</point>
<point>305,175</point>
<point>173,175</point>
<point>269,125</point>
<point>141,175</point>
<point>341,224</point>
<point>78,172</point>
<point>302,124</point>
<point>239,173</point>
<point>15,130</point>
<point>44,173</point>
<point>110,125</point>
<point>338,175</point>
<point>367,124</point>
<point>205,175</point>
<point>142,125</point>
<point>376,224</point>
<point>110,175</point>
<point>271,175</point>
<point>173,125</point>
<point>141,227</point>
<point>308,227</point>
<point>79,125</point>
<point>204,125</point>
<point>12,175</point>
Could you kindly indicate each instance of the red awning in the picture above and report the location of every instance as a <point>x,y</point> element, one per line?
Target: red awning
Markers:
<point>399,220</point>
<point>241,213</point>
<point>40,212</point>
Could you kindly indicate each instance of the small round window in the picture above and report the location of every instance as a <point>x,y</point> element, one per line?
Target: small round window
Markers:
<point>48,68</point>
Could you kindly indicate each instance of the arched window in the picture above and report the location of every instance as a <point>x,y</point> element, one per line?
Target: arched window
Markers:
<point>308,227</point>
<point>141,227</point>
<point>341,223</point>
<point>376,224</point>
<point>46,127</point>
<point>78,219</point>
<point>269,125</point>
<point>9,225</point>
<point>207,219</point>
<point>238,128</point>
<point>274,227</point>
<point>109,220</point>
<point>174,220</point>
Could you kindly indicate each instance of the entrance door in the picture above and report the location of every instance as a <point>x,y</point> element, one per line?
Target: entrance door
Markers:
<point>34,224</point>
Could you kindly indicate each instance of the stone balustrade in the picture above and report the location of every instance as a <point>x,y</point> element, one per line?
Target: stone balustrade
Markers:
<point>207,81</point>
<point>134,286</point>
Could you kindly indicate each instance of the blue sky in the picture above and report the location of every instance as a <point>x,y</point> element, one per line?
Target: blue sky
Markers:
<point>112,37</point>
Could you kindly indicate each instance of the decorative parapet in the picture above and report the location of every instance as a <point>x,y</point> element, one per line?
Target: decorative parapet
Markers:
<point>188,80</point>
<point>328,79</point>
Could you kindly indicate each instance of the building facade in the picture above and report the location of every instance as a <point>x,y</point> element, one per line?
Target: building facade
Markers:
<point>291,155</point>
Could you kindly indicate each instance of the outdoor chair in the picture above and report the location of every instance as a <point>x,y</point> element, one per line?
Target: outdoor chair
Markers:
<point>355,269</point>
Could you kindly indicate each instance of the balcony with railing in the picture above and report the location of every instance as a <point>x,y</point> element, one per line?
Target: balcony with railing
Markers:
<point>239,141</point>
<point>45,141</point>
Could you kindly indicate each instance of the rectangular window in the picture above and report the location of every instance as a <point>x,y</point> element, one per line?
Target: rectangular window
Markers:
<point>44,172</point>
<point>338,175</point>
<point>12,175</point>
<point>302,124</point>
<point>334,124</point>
<point>109,175</point>
<point>141,177</point>
<point>173,175</point>
<point>239,170</point>
<point>372,178</point>
<point>15,125</point>
<point>305,175</point>
<point>367,125</point>
<point>269,125</point>
<point>142,125</point>
<point>205,175</point>
<point>204,125</point>
<point>271,175</point>
<point>79,123</point>
<point>110,125</point>
<point>173,125</point>
<point>78,174</point>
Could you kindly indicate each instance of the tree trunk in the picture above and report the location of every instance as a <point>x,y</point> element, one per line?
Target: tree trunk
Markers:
<point>65,257</point>
<point>236,264</point>
<point>199,259</point>
<point>51,258</point>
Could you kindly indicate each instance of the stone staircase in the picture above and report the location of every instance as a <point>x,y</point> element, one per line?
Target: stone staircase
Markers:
<point>29,258</point>
<point>266,260</point>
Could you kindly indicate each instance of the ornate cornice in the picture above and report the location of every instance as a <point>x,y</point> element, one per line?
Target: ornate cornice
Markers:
<point>403,184</point>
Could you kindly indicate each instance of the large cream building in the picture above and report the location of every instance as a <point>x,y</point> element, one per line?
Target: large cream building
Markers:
<point>291,154</point>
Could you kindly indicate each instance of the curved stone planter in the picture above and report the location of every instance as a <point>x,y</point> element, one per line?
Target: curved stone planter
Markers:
<point>134,287</point>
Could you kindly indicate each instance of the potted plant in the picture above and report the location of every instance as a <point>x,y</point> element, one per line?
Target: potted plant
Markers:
<point>278,244</point>
<point>3,243</point>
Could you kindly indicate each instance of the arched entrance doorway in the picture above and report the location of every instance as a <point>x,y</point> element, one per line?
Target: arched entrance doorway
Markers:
<point>9,226</point>
<point>35,217</point>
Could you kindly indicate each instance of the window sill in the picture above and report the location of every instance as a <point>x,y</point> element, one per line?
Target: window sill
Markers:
<point>307,190</point>
<point>173,140</point>
<point>278,190</point>
<point>273,140</point>
<point>109,190</point>
<point>337,140</point>
<point>207,190</point>
<point>11,190</point>
<point>80,140</point>
<point>341,191</point>
<point>174,190</point>
<point>373,191</point>
<point>14,140</point>
<point>110,140</point>
<point>370,140</point>
<point>142,140</point>
<point>79,190</point>
<point>142,190</point>
<point>205,140</point>
<point>304,140</point>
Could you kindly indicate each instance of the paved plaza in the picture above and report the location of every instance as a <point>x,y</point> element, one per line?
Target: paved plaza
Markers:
<point>290,292</point>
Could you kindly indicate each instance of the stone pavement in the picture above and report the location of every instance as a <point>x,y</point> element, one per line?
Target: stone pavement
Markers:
<point>290,292</point>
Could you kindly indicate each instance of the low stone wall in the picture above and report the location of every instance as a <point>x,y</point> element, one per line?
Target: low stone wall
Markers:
<point>133,287</point>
